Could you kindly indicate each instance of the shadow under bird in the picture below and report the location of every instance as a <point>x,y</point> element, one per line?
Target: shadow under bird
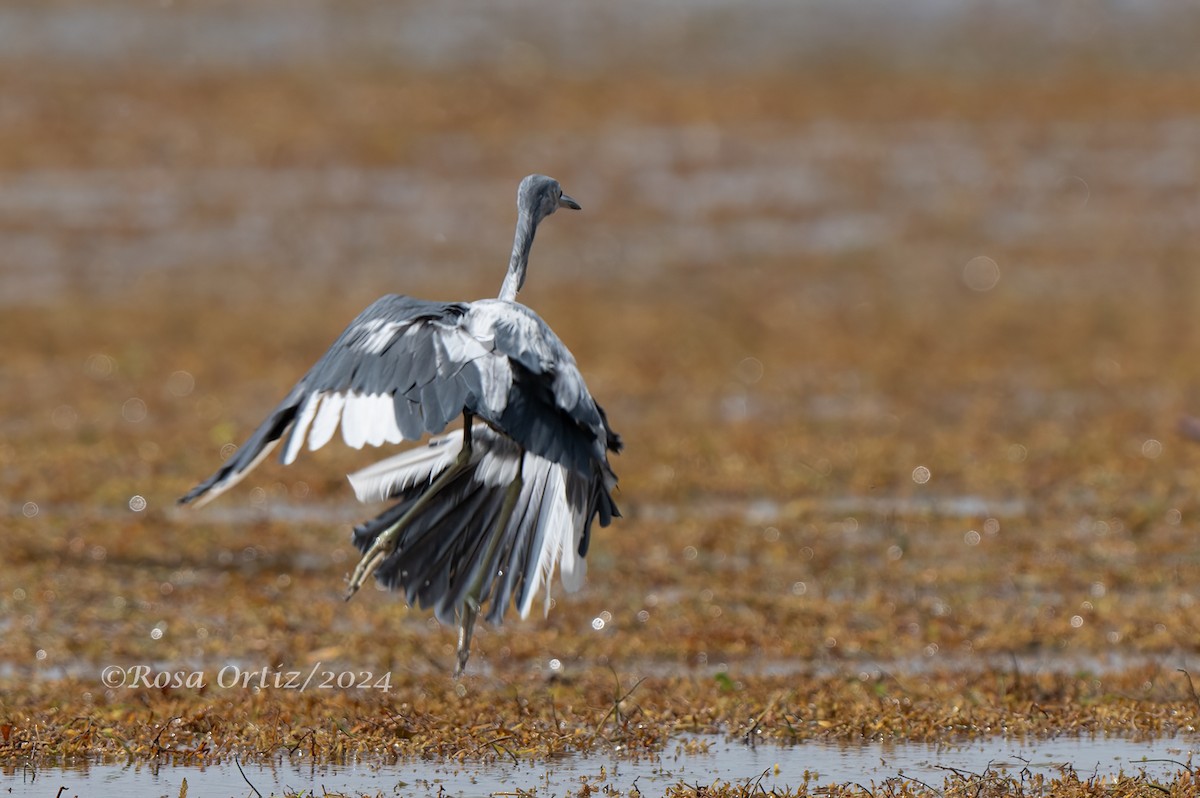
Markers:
<point>484,514</point>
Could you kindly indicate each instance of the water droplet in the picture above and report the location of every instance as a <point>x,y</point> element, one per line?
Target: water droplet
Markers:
<point>597,624</point>
<point>971,538</point>
<point>1076,621</point>
<point>1174,517</point>
<point>1151,449</point>
<point>981,273</point>
<point>181,383</point>
<point>555,665</point>
<point>690,553</point>
<point>920,475</point>
<point>749,370</point>
<point>99,367</point>
<point>30,509</point>
<point>156,633</point>
<point>134,410</point>
<point>41,654</point>
<point>643,616</point>
<point>227,451</point>
<point>799,588</point>
<point>894,553</point>
<point>137,504</point>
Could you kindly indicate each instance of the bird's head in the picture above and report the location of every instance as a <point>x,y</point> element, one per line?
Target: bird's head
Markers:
<point>539,196</point>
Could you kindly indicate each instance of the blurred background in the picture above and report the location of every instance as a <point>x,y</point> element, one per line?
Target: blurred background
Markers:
<point>894,304</point>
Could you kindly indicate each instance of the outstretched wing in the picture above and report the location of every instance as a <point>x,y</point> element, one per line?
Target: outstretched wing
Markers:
<point>403,368</point>
<point>443,550</point>
<point>407,367</point>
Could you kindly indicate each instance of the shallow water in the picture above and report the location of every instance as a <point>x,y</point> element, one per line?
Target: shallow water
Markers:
<point>815,762</point>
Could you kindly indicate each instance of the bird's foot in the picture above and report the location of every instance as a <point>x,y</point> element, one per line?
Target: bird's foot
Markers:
<point>384,545</point>
<point>387,541</point>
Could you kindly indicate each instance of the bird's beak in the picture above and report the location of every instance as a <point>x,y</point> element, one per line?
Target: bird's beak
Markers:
<point>566,202</point>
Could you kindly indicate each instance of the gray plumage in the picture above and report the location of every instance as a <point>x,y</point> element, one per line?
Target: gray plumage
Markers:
<point>439,553</point>
<point>480,513</point>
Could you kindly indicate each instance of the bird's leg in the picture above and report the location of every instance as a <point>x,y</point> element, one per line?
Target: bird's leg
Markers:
<point>466,625</point>
<point>468,421</point>
<point>385,544</point>
<point>470,606</point>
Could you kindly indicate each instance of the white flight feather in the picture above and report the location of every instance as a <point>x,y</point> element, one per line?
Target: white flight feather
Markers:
<point>383,420</point>
<point>369,418</point>
<point>355,420</point>
<point>326,421</point>
<point>300,428</point>
<point>382,480</point>
<point>572,568</point>
<point>539,484</point>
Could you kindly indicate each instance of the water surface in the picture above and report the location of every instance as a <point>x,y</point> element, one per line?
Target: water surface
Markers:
<point>725,761</point>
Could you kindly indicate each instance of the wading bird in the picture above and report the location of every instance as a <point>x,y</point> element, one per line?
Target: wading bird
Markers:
<point>482,514</point>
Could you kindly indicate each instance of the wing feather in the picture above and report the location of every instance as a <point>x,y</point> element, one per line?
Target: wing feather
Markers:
<point>300,428</point>
<point>326,421</point>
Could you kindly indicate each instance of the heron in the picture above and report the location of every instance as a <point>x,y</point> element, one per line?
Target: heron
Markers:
<point>482,514</point>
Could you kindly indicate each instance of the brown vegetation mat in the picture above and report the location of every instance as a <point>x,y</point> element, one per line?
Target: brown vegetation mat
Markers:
<point>786,568</point>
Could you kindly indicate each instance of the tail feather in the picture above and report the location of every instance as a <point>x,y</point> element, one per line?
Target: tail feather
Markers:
<point>440,553</point>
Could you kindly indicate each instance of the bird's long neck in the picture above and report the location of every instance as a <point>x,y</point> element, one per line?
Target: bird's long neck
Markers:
<point>519,262</point>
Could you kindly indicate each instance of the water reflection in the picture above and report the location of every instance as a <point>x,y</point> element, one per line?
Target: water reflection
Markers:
<point>693,759</point>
